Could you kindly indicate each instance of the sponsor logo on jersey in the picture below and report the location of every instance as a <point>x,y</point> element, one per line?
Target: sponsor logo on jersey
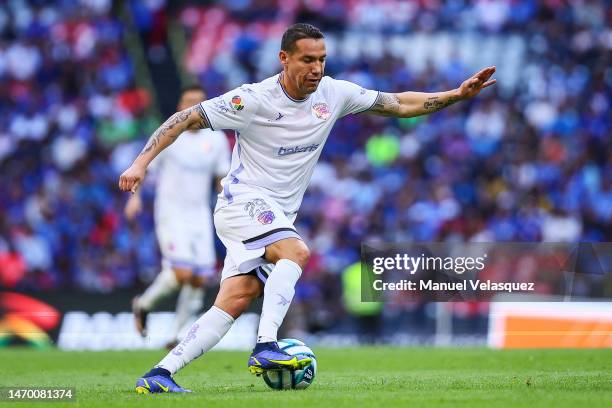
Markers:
<point>266,217</point>
<point>285,151</point>
<point>321,110</point>
<point>237,102</point>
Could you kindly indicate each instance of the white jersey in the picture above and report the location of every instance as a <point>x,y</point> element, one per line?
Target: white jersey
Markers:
<point>185,171</point>
<point>279,139</point>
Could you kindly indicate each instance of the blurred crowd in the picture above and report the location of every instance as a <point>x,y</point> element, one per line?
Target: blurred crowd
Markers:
<point>530,159</point>
<point>68,98</point>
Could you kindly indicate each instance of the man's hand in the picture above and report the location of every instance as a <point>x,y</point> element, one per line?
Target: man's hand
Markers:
<point>131,178</point>
<point>479,81</point>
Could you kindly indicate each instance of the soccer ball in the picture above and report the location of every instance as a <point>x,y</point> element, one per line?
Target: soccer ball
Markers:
<point>292,379</point>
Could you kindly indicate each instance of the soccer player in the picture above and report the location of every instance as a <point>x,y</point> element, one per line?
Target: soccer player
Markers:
<point>281,125</point>
<point>183,221</point>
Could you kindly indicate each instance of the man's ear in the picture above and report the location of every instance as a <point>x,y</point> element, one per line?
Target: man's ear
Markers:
<point>283,57</point>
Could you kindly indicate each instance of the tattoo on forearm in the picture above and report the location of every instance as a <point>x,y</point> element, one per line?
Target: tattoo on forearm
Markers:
<point>386,104</point>
<point>434,103</point>
<point>157,136</point>
<point>178,119</point>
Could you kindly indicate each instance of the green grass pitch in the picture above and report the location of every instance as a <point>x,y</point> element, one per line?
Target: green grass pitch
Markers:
<point>356,377</point>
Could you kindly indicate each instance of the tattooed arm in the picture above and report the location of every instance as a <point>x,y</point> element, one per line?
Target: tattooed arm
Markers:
<point>189,119</point>
<point>409,104</point>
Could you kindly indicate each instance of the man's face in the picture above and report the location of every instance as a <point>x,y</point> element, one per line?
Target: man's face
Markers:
<point>190,98</point>
<point>305,65</point>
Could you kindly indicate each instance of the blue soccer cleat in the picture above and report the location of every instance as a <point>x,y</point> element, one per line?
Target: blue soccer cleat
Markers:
<point>268,356</point>
<point>157,380</point>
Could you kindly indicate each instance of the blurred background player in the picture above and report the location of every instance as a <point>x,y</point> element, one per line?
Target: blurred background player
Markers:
<point>183,221</point>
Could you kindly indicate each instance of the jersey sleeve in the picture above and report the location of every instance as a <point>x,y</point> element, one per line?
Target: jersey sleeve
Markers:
<point>233,110</point>
<point>223,159</point>
<point>353,98</point>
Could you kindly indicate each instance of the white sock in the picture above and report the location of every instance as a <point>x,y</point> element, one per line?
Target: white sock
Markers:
<point>189,303</point>
<point>201,337</point>
<point>165,283</point>
<point>278,293</point>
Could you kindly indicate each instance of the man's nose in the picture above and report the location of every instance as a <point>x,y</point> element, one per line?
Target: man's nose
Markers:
<point>317,68</point>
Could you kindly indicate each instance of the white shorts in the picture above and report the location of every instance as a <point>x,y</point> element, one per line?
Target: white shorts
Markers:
<point>246,226</point>
<point>185,244</point>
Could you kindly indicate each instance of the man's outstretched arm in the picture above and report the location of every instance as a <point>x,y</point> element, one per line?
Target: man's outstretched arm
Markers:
<point>409,104</point>
<point>189,119</point>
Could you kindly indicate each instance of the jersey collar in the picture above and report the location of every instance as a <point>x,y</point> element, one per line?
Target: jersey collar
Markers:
<point>285,92</point>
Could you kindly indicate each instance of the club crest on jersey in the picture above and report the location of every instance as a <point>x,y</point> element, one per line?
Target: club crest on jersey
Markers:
<point>321,110</point>
<point>259,209</point>
<point>237,102</point>
<point>266,217</point>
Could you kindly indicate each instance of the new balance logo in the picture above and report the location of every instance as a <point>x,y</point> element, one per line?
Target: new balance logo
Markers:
<point>285,151</point>
<point>283,301</point>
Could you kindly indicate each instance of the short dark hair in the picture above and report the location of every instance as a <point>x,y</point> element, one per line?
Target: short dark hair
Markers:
<point>192,87</point>
<point>297,32</point>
